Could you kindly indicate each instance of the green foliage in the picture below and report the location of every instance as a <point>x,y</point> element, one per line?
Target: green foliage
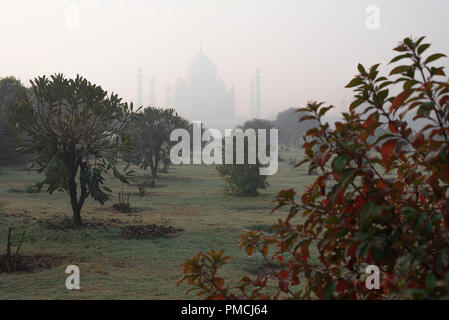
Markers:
<point>257,124</point>
<point>9,90</point>
<point>242,179</point>
<point>151,137</point>
<point>245,179</point>
<point>73,131</point>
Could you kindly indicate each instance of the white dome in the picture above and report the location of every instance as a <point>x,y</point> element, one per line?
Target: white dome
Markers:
<point>202,69</point>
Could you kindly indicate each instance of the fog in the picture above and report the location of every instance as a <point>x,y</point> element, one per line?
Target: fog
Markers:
<point>304,50</point>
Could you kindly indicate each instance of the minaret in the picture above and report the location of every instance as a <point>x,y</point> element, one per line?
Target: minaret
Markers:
<point>257,95</point>
<point>168,96</point>
<point>139,88</point>
<point>152,95</point>
<point>232,102</point>
<point>252,101</point>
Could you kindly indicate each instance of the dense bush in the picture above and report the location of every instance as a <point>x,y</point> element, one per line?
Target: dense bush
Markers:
<point>377,201</point>
<point>242,179</point>
<point>245,179</point>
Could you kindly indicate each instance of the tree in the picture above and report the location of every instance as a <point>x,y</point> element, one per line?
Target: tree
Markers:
<point>290,130</point>
<point>74,130</point>
<point>245,179</point>
<point>151,135</point>
<point>380,202</point>
<point>9,89</point>
<point>257,124</point>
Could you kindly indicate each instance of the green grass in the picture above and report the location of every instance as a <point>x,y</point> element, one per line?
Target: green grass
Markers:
<point>188,197</point>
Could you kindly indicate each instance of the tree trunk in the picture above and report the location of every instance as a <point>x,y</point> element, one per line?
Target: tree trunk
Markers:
<point>156,163</point>
<point>77,217</point>
<point>8,251</point>
<point>74,201</point>
<point>77,204</point>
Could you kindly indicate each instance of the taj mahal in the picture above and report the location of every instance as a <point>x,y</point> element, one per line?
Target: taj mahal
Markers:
<point>203,95</point>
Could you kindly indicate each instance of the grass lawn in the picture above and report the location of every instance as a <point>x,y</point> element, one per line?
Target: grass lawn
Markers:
<point>188,197</point>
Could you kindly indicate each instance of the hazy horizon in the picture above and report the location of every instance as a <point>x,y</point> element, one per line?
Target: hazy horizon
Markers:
<point>304,50</point>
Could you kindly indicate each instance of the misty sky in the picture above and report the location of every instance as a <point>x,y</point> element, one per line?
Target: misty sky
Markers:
<point>304,49</point>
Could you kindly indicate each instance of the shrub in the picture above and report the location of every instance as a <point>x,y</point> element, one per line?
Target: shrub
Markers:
<point>386,202</point>
<point>143,186</point>
<point>123,205</point>
<point>242,179</point>
<point>245,179</point>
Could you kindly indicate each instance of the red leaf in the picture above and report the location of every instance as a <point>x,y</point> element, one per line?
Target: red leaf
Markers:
<point>393,125</point>
<point>219,282</point>
<point>261,281</point>
<point>399,100</point>
<point>381,185</point>
<point>418,140</point>
<point>283,274</point>
<point>352,250</point>
<point>283,285</point>
<point>341,286</point>
<point>444,99</point>
<point>445,210</point>
<point>322,157</point>
<point>387,151</point>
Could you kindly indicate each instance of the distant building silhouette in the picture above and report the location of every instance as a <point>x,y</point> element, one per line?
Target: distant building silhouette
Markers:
<point>203,95</point>
<point>139,88</point>
<point>255,96</point>
<point>152,93</point>
<point>168,97</point>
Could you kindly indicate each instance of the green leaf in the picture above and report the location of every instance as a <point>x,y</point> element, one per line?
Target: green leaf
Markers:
<point>400,57</point>
<point>400,69</point>
<point>409,84</point>
<point>384,84</point>
<point>425,109</point>
<point>355,104</point>
<point>373,71</point>
<point>408,42</point>
<point>441,262</point>
<point>339,163</point>
<point>423,48</point>
<point>434,57</point>
<point>330,289</point>
<point>430,281</point>
<point>355,82</point>
<point>370,213</point>
<point>361,69</point>
<point>418,42</point>
<point>377,253</point>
